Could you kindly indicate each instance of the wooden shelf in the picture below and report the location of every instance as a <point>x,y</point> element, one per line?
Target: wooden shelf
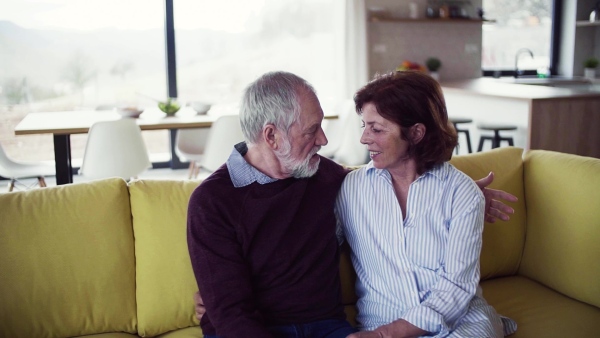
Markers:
<point>426,20</point>
<point>585,23</point>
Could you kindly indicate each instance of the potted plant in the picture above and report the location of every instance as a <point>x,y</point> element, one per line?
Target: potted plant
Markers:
<point>433,64</point>
<point>589,71</point>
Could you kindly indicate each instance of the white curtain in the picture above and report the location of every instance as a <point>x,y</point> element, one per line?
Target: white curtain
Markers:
<point>351,72</point>
<point>352,46</point>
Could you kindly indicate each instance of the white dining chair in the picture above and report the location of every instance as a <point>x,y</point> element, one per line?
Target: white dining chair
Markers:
<point>333,128</point>
<point>16,171</point>
<point>115,149</point>
<point>190,145</point>
<point>350,151</point>
<point>224,133</point>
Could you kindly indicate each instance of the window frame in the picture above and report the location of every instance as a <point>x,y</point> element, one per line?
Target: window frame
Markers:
<point>555,40</point>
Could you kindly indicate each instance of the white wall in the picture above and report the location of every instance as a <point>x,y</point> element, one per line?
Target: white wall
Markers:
<point>455,42</point>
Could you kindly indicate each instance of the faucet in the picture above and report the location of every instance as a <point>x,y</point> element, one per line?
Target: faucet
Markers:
<point>522,50</point>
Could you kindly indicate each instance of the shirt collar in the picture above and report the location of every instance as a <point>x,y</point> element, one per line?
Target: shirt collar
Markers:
<point>440,171</point>
<point>241,172</point>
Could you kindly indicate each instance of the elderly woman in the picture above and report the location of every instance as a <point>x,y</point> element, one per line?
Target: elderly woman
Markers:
<point>414,222</point>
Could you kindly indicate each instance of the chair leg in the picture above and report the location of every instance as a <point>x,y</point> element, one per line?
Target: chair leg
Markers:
<point>510,141</point>
<point>11,185</point>
<point>458,136</point>
<point>42,181</point>
<point>496,140</point>
<point>196,170</point>
<point>192,168</point>
<point>468,141</point>
<point>480,147</point>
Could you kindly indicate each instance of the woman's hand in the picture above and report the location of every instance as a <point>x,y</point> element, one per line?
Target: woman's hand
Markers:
<point>199,305</point>
<point>397,329</point>
<point>495,209</point>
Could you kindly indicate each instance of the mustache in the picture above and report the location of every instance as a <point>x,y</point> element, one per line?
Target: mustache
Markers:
<point>315,150</point>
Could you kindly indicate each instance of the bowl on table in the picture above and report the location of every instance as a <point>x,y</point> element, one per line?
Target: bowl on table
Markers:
<point>169,107</point>
<point>133,112</point>
<point>199,107</point>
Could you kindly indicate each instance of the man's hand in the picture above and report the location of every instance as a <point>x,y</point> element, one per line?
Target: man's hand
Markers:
<point>199,305</point>
<point>495,209</point>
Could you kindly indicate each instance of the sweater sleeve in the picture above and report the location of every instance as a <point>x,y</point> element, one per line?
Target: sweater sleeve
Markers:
<point>222,275</point>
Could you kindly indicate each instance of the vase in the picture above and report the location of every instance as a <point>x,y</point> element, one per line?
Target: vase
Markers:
<point>589,73</point>
<point>435,75</point>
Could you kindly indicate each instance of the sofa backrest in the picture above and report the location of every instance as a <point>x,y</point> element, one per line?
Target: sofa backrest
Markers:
<point>562,249</point>
<point>503,242</point>
<point>348,278</point>
<point>164,277</point>
<point>67,261</point>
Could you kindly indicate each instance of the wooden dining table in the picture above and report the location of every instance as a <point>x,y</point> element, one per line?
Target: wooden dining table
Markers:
<point>63,124</point>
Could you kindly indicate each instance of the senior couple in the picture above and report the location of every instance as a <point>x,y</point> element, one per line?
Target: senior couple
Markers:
<point>264,230</point>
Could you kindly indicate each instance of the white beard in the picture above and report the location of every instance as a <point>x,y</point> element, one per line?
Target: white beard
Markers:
<point>297,168</point>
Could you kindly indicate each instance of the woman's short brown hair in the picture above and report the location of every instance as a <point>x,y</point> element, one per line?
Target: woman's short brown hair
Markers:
<point>407,98</point>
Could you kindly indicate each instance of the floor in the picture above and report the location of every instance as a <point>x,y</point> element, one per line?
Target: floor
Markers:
<point>165,174</point>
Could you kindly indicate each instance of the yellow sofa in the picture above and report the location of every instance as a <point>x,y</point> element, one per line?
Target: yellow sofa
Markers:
<point>108,259</point>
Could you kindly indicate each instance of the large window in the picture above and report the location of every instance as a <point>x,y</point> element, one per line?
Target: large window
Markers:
<point>95,54</point>
<point>224,45</point>
<point>69,55</point>
<point>517,24</point>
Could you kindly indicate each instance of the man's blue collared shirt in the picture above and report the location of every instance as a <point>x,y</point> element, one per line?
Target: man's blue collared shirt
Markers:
<point>241,172</point>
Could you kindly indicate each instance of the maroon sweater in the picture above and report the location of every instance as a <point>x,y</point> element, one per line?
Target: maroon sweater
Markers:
<point>266,255</point>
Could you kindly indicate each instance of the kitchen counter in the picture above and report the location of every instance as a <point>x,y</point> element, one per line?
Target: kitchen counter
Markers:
<point>551,118</point>
<point>504,88</point>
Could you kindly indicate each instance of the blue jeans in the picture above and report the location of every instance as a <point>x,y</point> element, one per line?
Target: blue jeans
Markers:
<point>332,328</point>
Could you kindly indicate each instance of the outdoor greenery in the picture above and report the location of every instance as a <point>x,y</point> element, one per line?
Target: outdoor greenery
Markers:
<point>505,11</point>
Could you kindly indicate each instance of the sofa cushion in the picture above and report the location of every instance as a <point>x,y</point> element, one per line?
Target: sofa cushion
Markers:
<point>189,332</point>
<point>502,241</point>
<point>540,311</point>
<point>164,277</point>
<point>563,215</point>
<point>66,262</point>
<point>110,335</point>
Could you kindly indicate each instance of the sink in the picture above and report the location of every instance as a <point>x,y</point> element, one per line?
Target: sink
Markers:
<point>553,81</point>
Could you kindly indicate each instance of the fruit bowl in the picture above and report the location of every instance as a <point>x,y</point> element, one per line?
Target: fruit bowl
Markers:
<point>169,107</point>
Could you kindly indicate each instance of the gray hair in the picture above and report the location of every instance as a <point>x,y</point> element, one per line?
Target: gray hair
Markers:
<point>272,98</point>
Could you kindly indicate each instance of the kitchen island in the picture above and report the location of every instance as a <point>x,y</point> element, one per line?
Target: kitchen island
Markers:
<point>550,118</point>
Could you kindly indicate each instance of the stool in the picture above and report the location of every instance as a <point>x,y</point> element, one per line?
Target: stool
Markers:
<point>496,139</point>
<point>455,121</point>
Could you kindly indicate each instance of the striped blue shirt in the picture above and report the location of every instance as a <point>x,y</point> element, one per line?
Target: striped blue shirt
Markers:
<point>423,268</point>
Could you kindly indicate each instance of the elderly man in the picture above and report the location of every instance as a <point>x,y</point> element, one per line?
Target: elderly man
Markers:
<point>262,229</point>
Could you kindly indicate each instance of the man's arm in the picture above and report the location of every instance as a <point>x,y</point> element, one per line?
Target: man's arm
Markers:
<point>222,274</point>
<point>494,208</point>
